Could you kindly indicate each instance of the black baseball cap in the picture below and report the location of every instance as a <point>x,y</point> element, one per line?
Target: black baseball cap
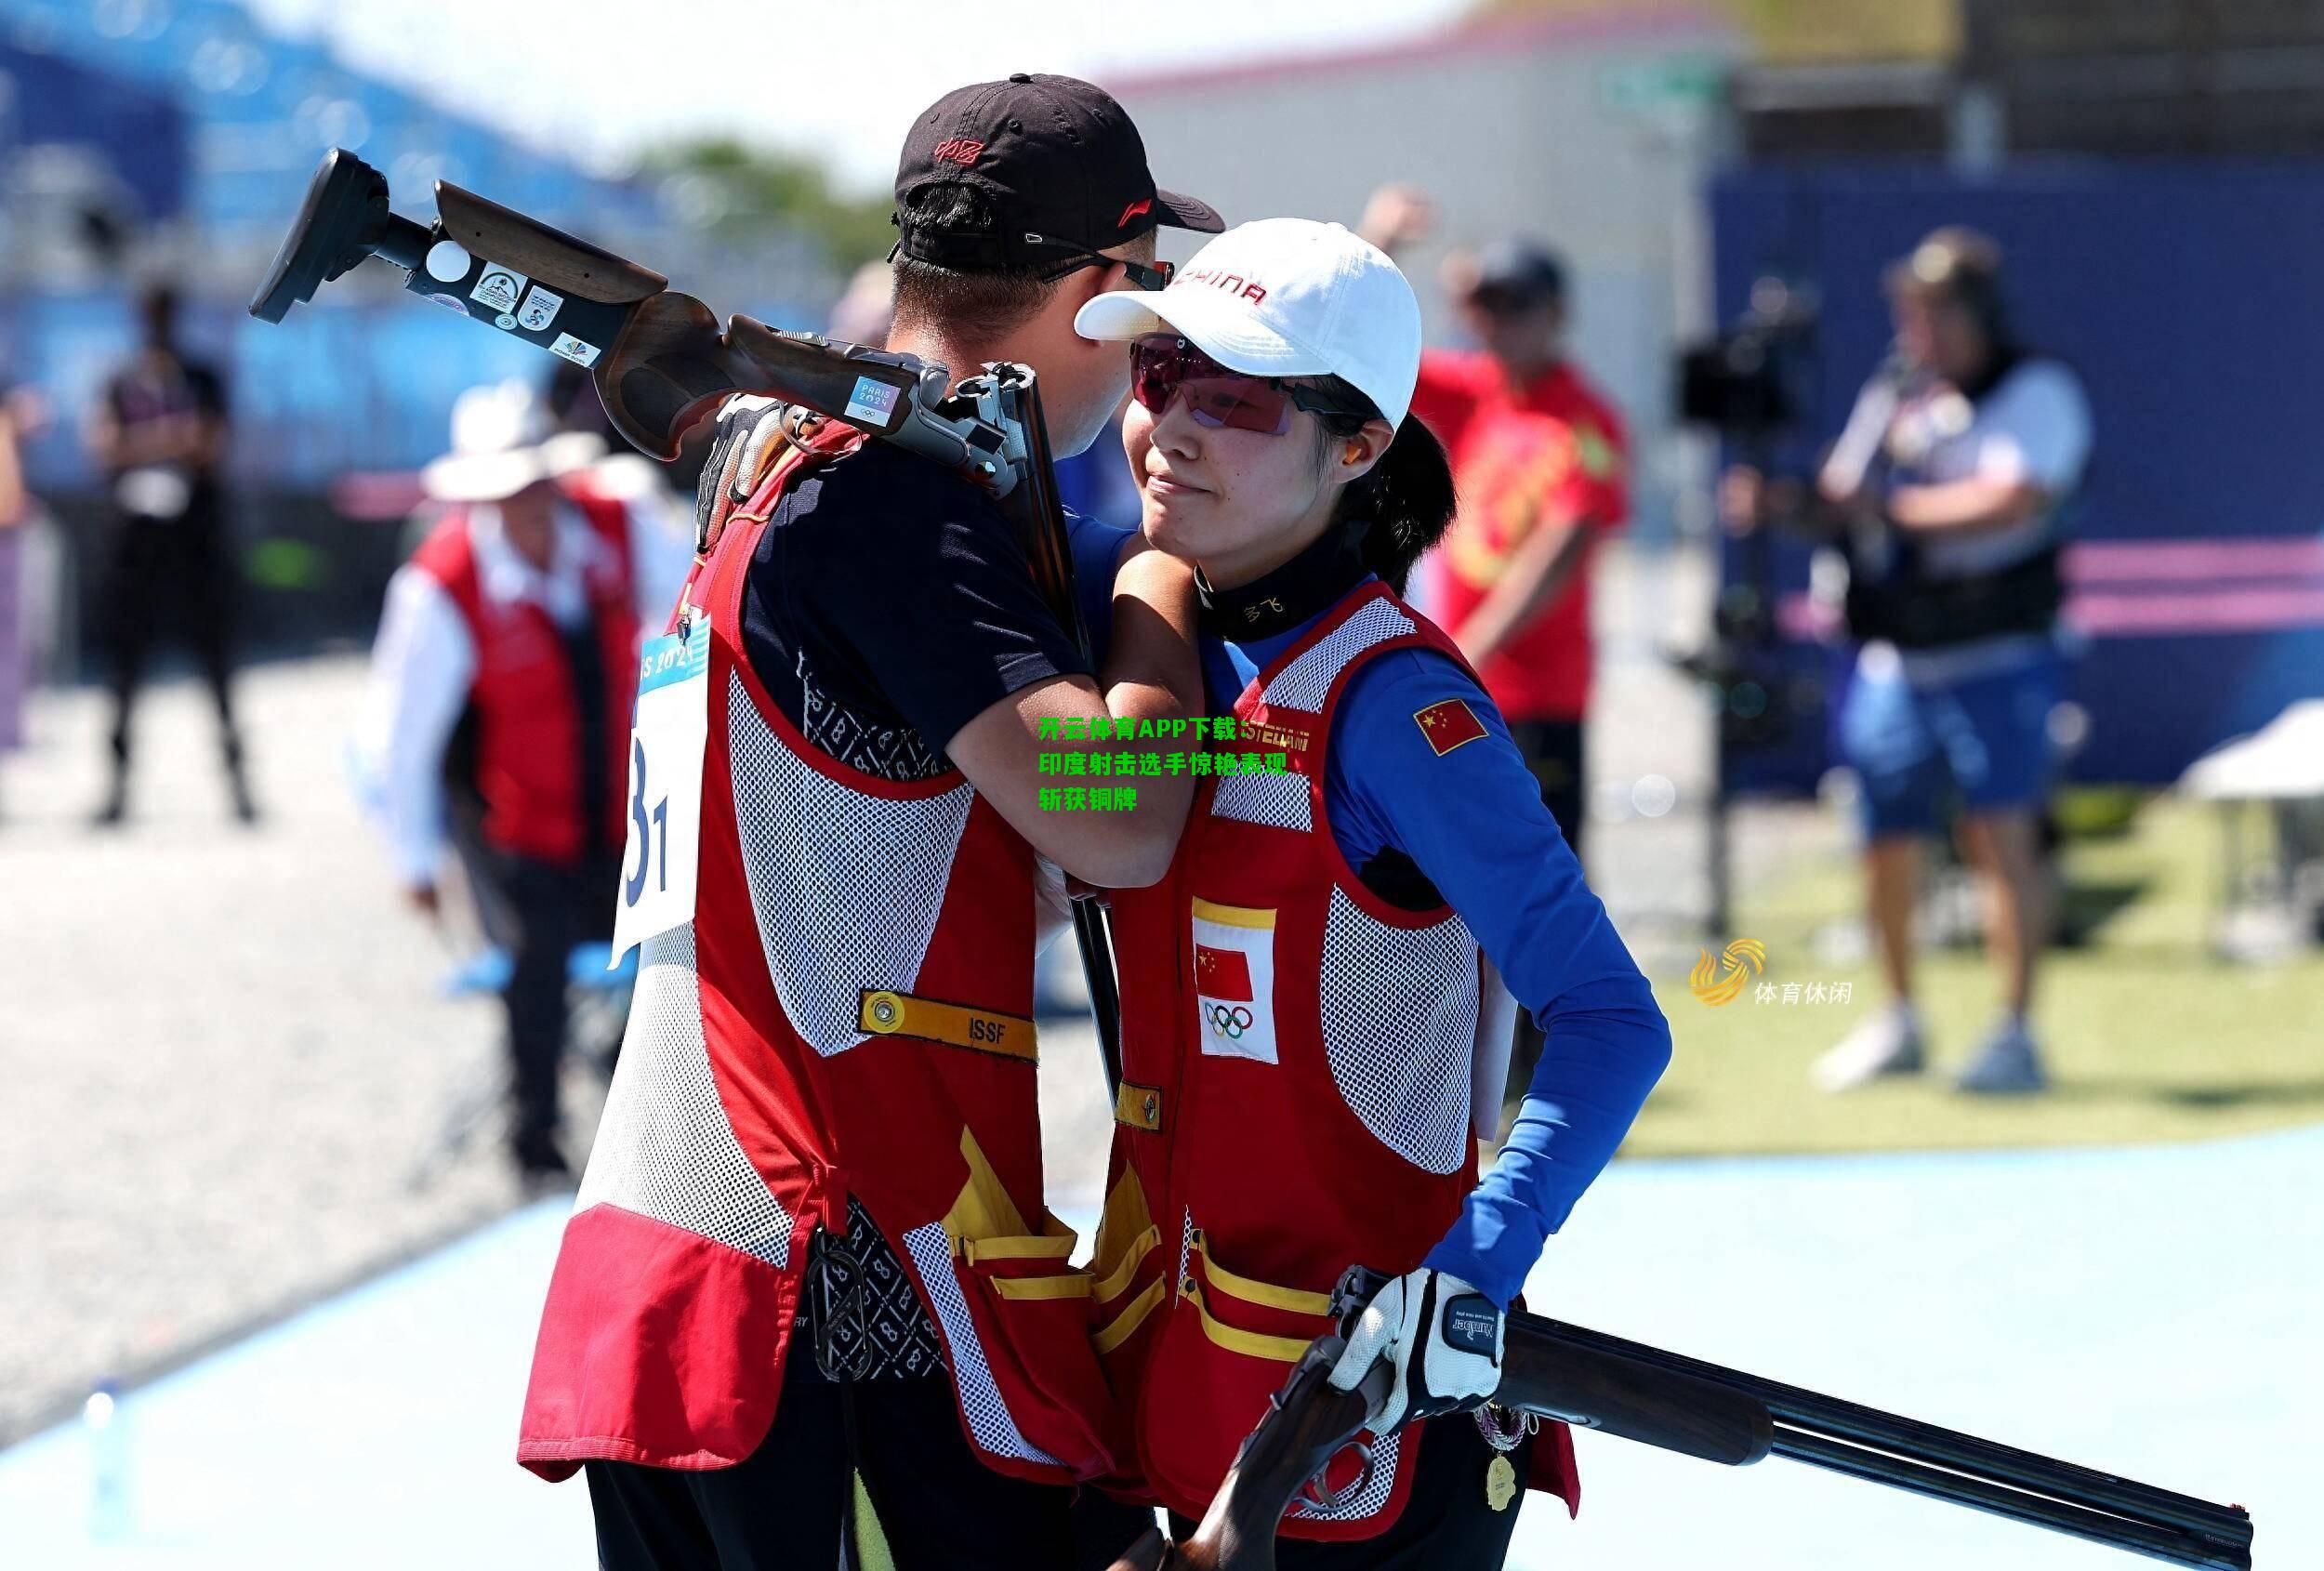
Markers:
<point>1053,157</point>
<point>1518,272</point>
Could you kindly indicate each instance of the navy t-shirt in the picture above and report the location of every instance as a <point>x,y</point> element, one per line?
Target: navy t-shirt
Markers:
<point>890,603</point>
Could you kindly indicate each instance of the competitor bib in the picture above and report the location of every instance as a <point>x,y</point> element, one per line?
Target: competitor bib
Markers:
<point>660,852</point>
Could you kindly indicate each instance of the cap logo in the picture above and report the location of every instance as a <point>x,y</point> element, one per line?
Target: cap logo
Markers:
<point>961,151</point>
<point>1233,282</point>
<point>1134,210</point>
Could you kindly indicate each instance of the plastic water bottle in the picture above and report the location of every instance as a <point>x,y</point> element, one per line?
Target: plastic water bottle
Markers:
<point>105,1420</point>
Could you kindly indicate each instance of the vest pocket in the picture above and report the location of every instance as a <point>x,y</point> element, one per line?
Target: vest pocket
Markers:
<point>1130,1277</point>
<point>1033,1312</point>
<point>1234,972</point>
<point>1226,1346</point>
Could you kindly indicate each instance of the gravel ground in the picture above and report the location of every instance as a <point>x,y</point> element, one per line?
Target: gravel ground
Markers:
<point>226,1051</point>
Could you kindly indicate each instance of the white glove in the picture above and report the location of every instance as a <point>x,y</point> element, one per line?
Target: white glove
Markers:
<point>1442,1336</point>
<point>748,423</point>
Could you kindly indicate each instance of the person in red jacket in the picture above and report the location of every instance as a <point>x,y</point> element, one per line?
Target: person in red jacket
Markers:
<point>1539,461</point>
<point>811,1247</point>
<point>521,609</point>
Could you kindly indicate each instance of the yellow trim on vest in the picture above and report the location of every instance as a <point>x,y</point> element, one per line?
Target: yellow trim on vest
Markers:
<point>984,1209</point>
<point>1243,1287</point>
<point>1111,1285</point>
<point>1139,1106</point>
<point>1119,1329</point>
<point>1074,1286</point>
<point>1046,1247</point>
<point>1126,1217</point>
<point>1234,916</point>
<point>955,1025</point>
<point>1256,1344</point>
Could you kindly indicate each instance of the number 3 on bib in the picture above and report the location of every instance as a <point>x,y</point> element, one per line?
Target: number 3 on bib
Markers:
<point>660,853</point>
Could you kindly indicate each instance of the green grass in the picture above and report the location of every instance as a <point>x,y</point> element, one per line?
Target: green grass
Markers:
<point>2147,1037</point>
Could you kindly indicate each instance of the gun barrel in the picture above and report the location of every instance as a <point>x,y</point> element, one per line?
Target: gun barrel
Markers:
<point>2138,1534</point>
<point>1808,1411</point>
<point>1632,1399</point>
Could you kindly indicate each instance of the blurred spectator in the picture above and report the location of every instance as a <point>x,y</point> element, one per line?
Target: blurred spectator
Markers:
<point>524,607</point>
<point>592,458</point>
<point>159,433</point>
<point>1538,461</point>
<point>1948,491</point>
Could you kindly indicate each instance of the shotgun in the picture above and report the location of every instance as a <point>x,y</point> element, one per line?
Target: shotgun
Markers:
<point>1637,1393</point>
<point>661,362</point>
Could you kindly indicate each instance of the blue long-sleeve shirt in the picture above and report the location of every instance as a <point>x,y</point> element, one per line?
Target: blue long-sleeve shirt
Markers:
<point>1472,822</point>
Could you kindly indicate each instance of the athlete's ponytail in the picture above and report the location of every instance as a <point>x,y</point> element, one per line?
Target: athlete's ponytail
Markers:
<point>1403,504</point>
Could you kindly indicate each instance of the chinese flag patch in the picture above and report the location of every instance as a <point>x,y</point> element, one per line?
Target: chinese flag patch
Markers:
<point>1449,724</point>
<point>1221,973</point>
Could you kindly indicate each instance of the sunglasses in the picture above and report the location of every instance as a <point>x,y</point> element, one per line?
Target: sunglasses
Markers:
<point>1156,276</point>
<point>1162,366</point>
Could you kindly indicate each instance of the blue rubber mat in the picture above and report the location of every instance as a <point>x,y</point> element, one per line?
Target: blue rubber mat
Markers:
<point>2150,1311</point>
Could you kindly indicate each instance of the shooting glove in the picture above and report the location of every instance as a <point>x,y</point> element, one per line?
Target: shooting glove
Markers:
<point>748,427</point>
<point>1444,1338</point>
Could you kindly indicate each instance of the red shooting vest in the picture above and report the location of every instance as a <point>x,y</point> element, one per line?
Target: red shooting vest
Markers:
<point>528,735</point>
<point>848,1013</point>
<point>1297,1065</point>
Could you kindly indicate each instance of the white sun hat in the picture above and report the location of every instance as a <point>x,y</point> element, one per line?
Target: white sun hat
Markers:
<point>1285,298</point>
<point>501,442</point>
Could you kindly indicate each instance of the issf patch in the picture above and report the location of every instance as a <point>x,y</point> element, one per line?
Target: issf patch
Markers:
<point>1447,723</point>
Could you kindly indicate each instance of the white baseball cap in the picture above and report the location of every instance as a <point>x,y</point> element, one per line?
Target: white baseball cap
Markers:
<point>502,443</point>
<point>1285,298</point>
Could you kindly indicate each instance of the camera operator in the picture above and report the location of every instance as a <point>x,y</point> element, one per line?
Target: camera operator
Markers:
<point>1949,490</point>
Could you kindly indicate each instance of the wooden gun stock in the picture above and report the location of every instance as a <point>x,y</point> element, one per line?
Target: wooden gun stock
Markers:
<point>659,358</point>
<point>564,262</point>
<point>1310,1423</point>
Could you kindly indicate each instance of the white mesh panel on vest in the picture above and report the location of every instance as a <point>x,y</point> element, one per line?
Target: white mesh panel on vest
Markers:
<point>1276,798</point>
<point>988,1415</point>
<point>847,886</point>
<point>1373,1496</point>
<point>1400,1023</point>
<point>664,1148</point>
<point>1302,683</point>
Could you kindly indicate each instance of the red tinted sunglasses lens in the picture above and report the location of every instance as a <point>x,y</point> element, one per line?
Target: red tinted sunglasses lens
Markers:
<point>1215,396</point>
<point>1154,375</point>
<point>1246,404</point>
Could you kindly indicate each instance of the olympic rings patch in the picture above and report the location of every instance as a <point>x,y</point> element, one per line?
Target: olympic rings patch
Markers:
<point>1229,1022</point>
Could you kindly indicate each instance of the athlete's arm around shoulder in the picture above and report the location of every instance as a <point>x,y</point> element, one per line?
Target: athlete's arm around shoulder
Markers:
<point>1150,673</point>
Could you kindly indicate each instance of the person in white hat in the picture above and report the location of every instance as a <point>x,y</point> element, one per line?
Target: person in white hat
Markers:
<point>518,614</point>
<point>1310,1036</point>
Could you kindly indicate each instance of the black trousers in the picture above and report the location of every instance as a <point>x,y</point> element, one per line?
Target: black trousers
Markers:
<point>171,575</point>
<point>1448,1524</point>
<point>1553,751</point>
<point>781,1507</point>
<point>554,908</point>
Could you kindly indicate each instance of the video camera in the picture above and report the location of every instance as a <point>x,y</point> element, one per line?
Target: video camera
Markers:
<point>1744,383</point>
<point>1749,386</point>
